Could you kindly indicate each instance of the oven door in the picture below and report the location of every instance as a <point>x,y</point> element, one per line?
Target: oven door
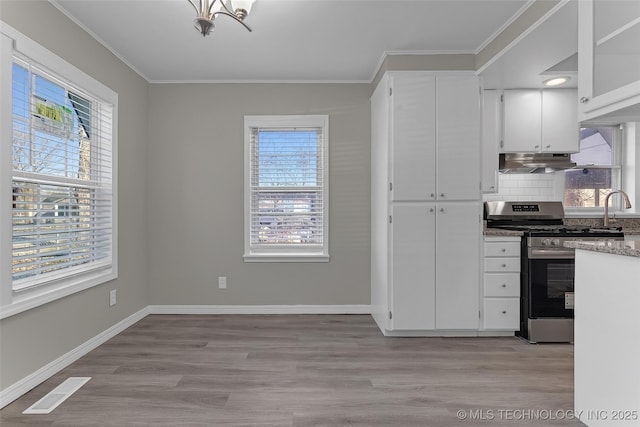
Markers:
<point>550,287</point>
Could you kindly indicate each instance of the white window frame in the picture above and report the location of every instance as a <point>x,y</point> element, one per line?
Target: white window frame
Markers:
<point>14,302</point>
<point>290,253</point>
<point>617,170</point>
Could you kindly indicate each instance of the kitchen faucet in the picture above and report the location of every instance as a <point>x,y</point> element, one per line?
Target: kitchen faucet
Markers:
<point>606,204</point>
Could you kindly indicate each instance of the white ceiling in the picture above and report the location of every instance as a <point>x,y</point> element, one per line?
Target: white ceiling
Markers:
<point>292,40</point>
<point>546,50</point>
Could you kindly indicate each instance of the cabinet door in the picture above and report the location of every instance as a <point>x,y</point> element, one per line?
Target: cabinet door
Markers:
<point>522,131</point>
<point>458,237</point>
<point>413,136</point>
<point>413,266</point>
<point>560,130</point>
<point>458,147</point>
<point>490,140</point>
<point>609,59</point>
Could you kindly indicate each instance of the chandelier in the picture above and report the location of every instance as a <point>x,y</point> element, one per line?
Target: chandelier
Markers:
<point>207,10</point>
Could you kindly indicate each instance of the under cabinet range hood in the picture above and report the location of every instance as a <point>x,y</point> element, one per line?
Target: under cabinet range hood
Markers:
<point>534,162</point>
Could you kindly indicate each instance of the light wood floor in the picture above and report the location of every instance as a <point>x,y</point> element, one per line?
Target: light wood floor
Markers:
<point>306,370</point>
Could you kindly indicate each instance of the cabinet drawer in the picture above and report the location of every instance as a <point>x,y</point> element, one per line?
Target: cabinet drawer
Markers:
<point>502,313</point>
<point>502,249</point>
<point>502,265</point>
<point>502,284</point>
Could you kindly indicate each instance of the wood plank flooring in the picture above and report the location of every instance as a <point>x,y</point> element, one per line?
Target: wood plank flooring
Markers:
<point>306,370</point>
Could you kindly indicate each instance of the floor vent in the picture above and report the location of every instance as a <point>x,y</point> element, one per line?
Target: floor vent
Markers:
<point>56,396</point>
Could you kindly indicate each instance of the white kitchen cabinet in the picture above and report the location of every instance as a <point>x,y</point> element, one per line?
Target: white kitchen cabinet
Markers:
<point>540,121</point>
<point>413,136</point>
<point>458,138</point>
<point>431,289</point>
<point>458,230</point>
<point>413,260</point>
<point>609,59</point>
<point>380,241</point>
<point>607,339</point>
<point>501,284</point>
<point>560,129</point>
<point>435,137</point>
<point>522,121</point>
<point>491,137</point>
<point>502,314</point>
<point>501,265</point>
<point>425,204</point>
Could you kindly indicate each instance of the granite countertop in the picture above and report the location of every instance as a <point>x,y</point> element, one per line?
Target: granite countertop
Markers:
<point>501,232</point>
<point>616,248</point>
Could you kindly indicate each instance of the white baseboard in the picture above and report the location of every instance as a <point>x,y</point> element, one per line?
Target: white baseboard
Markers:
<point>19,388</point>
<point>446,333</point>
<point>259,309</point>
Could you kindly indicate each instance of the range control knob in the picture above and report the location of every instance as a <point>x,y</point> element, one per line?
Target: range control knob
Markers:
<point>546,242</point>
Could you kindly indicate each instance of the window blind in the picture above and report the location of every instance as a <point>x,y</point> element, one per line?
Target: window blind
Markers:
<point>62,214</point>
<point>287,188</point>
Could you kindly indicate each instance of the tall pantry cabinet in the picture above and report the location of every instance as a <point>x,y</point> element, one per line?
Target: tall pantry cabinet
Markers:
<point>426,209</point>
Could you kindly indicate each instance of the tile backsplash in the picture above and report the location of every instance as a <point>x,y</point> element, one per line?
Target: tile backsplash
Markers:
<point>526,187</point>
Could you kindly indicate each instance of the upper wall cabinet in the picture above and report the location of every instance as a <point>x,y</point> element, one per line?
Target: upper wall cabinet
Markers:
<point>536,121</point>
<point>609,59</point>
<point>435,137</point>
<point>491,137</point>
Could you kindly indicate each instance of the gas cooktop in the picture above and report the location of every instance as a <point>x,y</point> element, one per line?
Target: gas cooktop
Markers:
<point>561,228</point>
<point>542,219</point>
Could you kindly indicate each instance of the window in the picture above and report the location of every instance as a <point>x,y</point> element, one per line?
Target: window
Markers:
<point>61,216</point>
<point>598,168</point>
<point>286,181</point>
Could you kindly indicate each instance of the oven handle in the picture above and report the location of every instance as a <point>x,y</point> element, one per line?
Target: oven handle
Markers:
<point>556,253</point>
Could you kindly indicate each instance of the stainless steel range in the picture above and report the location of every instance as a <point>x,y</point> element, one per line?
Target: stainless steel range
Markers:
<point>547,270</point>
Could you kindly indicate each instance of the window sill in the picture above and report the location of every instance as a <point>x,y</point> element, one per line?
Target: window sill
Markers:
<point>36,298</point>
<point>286,258</point>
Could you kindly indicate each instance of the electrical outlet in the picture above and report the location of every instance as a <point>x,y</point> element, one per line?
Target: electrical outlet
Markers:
<point>222,282</point>
<point>112,298</point>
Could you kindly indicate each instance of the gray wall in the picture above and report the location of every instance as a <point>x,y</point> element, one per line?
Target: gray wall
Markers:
<point>34,338</point>
<point>196,195</point>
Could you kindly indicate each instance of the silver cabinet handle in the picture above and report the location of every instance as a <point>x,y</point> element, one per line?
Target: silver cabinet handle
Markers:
<point>504,265</point>
<point>536,146</point>
<point>504,311</point>
<point>492,187</point>
<point>431,210</point>
<point>504,285</point>
<point>584,100</point>
<point>441,209</point>
<point>432,195</point>
<point>548,146</point>
<point>503,250</point>
<point>441,194</point>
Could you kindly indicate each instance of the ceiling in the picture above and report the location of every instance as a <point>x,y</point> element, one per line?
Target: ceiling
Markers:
<point>547,50</point>
<point>292,40</point>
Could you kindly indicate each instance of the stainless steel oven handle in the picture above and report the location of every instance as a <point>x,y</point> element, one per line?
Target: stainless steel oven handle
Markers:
<point>556,253</point>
